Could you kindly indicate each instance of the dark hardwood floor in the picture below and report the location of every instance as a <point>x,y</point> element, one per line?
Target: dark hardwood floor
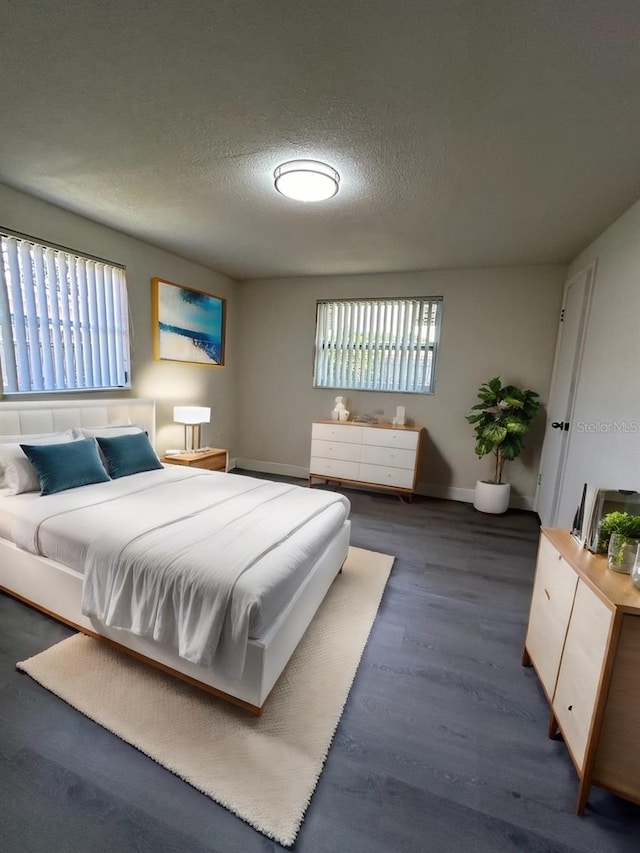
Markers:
<point>442,746</point>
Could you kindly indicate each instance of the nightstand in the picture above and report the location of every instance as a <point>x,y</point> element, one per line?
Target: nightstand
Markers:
<point>211,458</point>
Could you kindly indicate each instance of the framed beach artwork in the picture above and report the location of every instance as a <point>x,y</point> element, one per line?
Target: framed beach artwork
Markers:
<point>188,324</point>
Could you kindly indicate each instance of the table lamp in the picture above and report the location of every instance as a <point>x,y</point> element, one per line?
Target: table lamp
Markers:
<point>191,417</point>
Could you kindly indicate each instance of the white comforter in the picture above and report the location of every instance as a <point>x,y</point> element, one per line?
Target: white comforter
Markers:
<point>167,566</point>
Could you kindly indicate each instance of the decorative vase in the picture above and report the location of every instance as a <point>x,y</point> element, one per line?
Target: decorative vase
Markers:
<point>635,571</point>
<point>622,553</point>
<point>492,498</point>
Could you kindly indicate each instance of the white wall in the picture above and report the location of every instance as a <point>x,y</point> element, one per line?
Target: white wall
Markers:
<point>495,322</point>
<point>604,442</point>
<point>168,383</point>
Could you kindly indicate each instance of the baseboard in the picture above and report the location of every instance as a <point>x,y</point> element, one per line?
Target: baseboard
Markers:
<point>449,493</point>
<point>272,468</point>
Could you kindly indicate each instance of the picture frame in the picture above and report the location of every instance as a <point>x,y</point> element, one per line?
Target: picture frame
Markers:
<point>188,324</point>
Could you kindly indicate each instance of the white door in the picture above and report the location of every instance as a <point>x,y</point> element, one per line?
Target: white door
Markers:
<point>566,368</point>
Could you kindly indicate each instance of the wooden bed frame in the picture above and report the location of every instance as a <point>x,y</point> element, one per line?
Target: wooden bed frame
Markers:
<point>56,589</point>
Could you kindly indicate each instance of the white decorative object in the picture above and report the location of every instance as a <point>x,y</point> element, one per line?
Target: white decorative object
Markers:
<point>340,412</point>
<point>492,498</point>
<point>399,421</point>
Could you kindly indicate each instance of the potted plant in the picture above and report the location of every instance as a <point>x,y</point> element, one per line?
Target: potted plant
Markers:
<point>500,420</point>
<point>619,536</point>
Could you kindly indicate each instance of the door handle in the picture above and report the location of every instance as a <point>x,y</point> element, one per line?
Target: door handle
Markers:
<point>560,425</point>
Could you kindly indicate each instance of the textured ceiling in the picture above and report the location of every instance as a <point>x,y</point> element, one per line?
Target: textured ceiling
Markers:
<point>467,132</point>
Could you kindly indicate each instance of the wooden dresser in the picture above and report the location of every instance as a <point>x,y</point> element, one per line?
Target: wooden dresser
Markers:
<point>379,456</point>
<point>583,640</point>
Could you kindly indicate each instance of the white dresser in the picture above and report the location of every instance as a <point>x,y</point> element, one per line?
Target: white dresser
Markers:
<point>377,455</point>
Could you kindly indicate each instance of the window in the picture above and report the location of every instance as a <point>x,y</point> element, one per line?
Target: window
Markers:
<point>377,344</point>
<point>63,319</point>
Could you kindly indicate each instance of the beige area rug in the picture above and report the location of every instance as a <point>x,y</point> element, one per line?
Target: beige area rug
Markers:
<point>263,769</point>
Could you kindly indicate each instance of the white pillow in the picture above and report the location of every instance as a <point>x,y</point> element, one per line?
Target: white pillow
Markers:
<point>19,475</point>
<point>107,431</point>
<point>34,438</point>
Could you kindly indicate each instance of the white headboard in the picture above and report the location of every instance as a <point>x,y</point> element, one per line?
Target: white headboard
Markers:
<point>42,416</point>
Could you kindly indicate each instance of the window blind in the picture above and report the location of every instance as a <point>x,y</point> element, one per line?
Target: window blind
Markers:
<point>64,321</point>
<point>377,344</point>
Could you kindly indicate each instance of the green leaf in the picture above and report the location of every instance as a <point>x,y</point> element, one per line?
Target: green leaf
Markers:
<point>514,402</point>
<point>483,447</point>
<point>621,522</point>
<point>511,447</point>
<point>512,391</point>
<point>473,419</point>
<point>489,398</point>
<point>515,426</point>
<point>494,433</point>
<point>495,384</point>
<point>531,405</point>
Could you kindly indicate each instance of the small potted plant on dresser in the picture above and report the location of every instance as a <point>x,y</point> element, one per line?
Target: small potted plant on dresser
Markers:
<point>500,420</point>
<point>619,537</point>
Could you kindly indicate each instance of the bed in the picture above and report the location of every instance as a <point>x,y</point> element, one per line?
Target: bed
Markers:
<point>52,549</point>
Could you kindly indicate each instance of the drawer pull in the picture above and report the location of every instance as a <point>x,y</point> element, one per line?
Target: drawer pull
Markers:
<point>546,592</point>
<point>570,708</point>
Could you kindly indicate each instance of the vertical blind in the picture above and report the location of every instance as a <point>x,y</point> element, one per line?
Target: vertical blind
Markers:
<point>377,344</point>
<point>64,320</point>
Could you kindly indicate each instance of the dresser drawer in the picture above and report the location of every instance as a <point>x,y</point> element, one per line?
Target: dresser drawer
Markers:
<point>335,450</point>
<point>334,468</point>
<point>574,702</point>
<point>390,457</point>
<point>553,593</point>
<point>336,432</point>
<point>390,438</point>
<point>392,477</point>
<point>213,463</point>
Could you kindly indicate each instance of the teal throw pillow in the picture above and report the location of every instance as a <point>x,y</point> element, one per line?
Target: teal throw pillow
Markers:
<point>66,466</point>
<point>128,454</point>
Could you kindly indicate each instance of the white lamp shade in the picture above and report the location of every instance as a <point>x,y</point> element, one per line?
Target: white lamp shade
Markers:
<point>192,414</point>
<point>306,180</point>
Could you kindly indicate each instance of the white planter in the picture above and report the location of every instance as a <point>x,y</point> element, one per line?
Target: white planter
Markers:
<point>492,498</point>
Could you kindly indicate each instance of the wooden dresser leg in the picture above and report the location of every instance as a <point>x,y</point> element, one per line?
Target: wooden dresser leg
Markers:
<point>583,796</point>
<point>526,657</point>
<point>553,725</point>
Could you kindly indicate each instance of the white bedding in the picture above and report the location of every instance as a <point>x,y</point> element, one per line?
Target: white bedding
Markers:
<point>80,526</point>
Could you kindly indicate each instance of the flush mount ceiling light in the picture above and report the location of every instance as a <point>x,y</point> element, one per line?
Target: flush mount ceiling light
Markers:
<point>306,180</point>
